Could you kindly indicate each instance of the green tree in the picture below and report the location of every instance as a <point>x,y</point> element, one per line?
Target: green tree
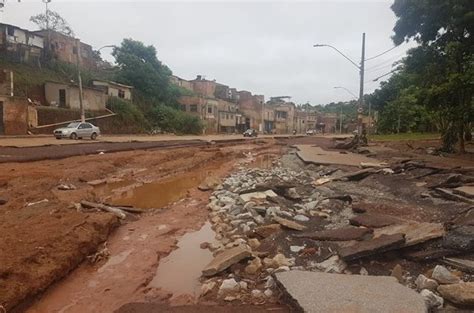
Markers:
<point>444,61</point>
<point>51,20</point>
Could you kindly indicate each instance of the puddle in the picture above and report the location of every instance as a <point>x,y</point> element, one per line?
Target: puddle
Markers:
<point>180,271</point>
<point>157,194</point>
<point>263,161</point>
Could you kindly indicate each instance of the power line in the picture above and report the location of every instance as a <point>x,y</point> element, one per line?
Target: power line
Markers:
<point>377,78</point>
<point>380,54</point>
<point>391,61</point>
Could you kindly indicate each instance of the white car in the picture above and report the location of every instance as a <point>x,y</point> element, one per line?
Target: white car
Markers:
<point>77,130</point>
<point>310,132</point>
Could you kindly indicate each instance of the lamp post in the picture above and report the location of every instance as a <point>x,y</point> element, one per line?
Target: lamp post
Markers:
<point>361,75</point>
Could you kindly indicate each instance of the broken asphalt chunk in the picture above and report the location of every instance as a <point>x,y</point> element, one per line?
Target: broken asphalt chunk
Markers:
<point>415,233</point>
<point>370,247</point>
<point>288,224</point>
<point>373,220</point>
<point>340,234</point>
<point>225,259</point>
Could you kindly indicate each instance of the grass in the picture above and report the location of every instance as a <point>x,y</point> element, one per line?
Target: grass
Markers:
<point>405,136</point>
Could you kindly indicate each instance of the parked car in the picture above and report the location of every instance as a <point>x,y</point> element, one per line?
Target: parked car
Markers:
<point>250,133</point>
<point>77,130</point>
<point>310,132</point>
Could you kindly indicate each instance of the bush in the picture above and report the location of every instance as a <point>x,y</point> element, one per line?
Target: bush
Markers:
<point>169,119</point>
<point>128,115</point>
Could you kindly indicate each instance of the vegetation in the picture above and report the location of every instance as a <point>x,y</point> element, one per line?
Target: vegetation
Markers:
<point>404,136</point>
<point>51,20</point>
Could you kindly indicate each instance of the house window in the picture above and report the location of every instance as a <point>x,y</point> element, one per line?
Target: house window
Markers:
<point>121,94</point>
<point>227,116</point>
<point>183,107</point>
<point>209,110</point>
<point>281,114</point>
<point>193,108</point>
<point>10,31</point>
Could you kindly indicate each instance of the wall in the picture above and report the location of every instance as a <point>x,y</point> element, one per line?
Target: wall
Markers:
<point>15,115</point>
<point>205,88</point>
<point>93,100</point>
<point>175,80</point>
<point>22,46</point>
<point>112,89</point>
<point>252,109</point>
<point>227,119</point>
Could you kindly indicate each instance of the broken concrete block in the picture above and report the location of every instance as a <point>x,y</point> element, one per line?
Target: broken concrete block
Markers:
<point>423,282</point>
<point>443,276</point>
<point>371,247</point>
<point>315,292</point>
<point>461,238</point>
<point>288,224</point>
<point>228,286</point>
<point>373,220</point>
<point>460,294</point>
<point>415,233</point>
<point>432,300</point>
<point>257,195</point>
<point>332,265</point>
<point>225,259</point>
<point>340,234</point>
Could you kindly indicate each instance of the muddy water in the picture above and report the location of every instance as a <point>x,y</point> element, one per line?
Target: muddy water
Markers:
<point>263,161</point>
<point>180,271</point>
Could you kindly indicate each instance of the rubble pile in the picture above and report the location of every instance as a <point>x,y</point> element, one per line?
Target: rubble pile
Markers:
<point>276,220</point>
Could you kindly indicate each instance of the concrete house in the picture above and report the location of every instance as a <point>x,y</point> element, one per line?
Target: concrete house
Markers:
<point>20,44</point>
<point>113,89</point>
<point>67,96</point>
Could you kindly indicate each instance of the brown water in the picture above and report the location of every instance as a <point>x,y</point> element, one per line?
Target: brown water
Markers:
<point>180,271</point>
<point>263,161</point>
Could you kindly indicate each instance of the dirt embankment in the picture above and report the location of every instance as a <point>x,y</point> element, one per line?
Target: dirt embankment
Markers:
<point>44,236</point>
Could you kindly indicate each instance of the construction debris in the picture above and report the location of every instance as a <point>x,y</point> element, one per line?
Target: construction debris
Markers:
<point>370,247</point>
<point>225,259</point>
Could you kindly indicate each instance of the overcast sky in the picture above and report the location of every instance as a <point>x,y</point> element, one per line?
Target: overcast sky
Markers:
<point>264,47</point>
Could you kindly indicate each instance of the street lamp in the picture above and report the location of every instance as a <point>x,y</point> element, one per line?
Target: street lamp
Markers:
<point>344,88</point>
<point>361,74</point>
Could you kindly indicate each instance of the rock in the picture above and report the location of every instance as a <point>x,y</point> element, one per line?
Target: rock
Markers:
<point>443,276</point>
<point>296,249</point>
<point>432,300</point>
<point>254,243</point>
<point>288,224</point>
<point>257,293</point>
<point>428,255</point>
<point>423,282</point>
<point>363,271</point>
<point>301,218</point>
<point>254,266</point>
<point>340,234</point>
<point>257,195</point>
<point>358,208</point>
<point>207,287</point>
<point>225,259</point>
<point>268,293</point>
<point>270,283</point>
<point>281,260</point>
<point>315,292</point>
<point>243,285</point>
<point>465,191</point>
<point>3,201</point>
<point>97,182</point>
<point>267,230</point>
<point>397,272</point>
<point>228,286</point>
<point>370,247</point>
<point>373,220</point>
<point>205,245</point>
<point>461,238</point>
<point>282,269</point>
<point>270,263</point>
<point>292,194</point>
<point>462,264</point>
<point>332,265</point>
<point>67,187</point>
<point>460,294</point>
<point>415,233</point>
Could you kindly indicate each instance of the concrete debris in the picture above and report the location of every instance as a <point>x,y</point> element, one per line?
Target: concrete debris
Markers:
<point>225,259</point>
<point>370,247</point>
<point>423,282</point>
<point>257,195</point>
<point>443,276</point>
<point>66,187</point>
<point>465,191</point>
<point>288,224</point>
<point>301,218</point>
<point>461,294</point>
<point>314,292</point>
<point>37,202</point>
<point>415,233</point>
<point>339,234</point>
<point>267,230</point>
<point>373,220</point>
<point>207,287</point>
<point>462,264</point>
<point>432,300</point>
<point>331,265</point>
<point>228,286</point>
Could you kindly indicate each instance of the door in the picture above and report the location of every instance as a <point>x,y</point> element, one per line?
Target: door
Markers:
<point>62,98</point>
<point>2,129</point>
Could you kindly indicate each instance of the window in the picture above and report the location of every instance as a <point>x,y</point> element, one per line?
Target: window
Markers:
<point>209,110</point>
<point>183,107</point>
<point>193,108</point>
<point>281,114</point>
<point>227,116</point>
<point>121,93</point>
<point>10,31</point>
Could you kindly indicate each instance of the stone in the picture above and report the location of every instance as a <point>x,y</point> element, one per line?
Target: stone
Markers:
<point>415,233</point>
<point>296,249</point>
<point>397,272</point>
<point>363,271</point>
<point>423,282</point>
<point>225,259</point>
<point>460,294</point>
<point>315,292</point>
<point>257,293</point>
<point>432,300</point>
<point>461,238</point>
<point>373,220</point>
<point>267,230</point>
<point>205,245</point>
<point>466,191</point>
<point>443,276</point>
<point>462,264</point>
<point>257,195</point>
<point>270,263</point>
<point>292,194</point>
<point>254,266</point>
<point>66,187</point>
<point>207,287</point>
<point>332,265</point>
<point>228,286</point>
<point>281,260</point>
<point>243,285</point>
<point>429,255</point>
<point>358,208</point>
<point>254,243</point>
<point>288,224</point>
<point>270,283</point>
<point>370,247</point>
<point>301,218</point>
<point>339,234</point>
<point>97,182</point>
<point>268,293</point>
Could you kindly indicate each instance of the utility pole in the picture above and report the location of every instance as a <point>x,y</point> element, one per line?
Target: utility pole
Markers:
<point>81,104</point>
<point>340,122</point>
<point>361,89</point>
